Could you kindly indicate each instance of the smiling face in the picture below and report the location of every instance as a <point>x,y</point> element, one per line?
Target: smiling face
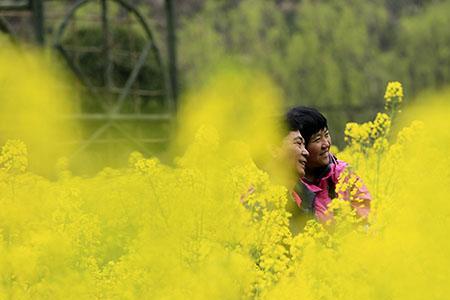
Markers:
<point>295,152</point>
<point>318,148</point>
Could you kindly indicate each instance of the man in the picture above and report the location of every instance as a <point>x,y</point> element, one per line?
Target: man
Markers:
<point>315,190</point>
<point>294,154</point>
<point>288,163</point>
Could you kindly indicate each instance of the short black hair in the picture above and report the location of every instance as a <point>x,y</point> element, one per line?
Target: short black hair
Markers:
<point>307,120</point>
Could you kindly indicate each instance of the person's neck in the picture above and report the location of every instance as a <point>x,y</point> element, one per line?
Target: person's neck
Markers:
<point>312,174</point>
<point>281,176</point>
<point>309,176</point>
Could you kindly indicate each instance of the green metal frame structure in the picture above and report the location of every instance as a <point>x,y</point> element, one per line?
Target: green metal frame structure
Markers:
<point>4,27</point>
<point>35,6</point>
<point>111,116</point>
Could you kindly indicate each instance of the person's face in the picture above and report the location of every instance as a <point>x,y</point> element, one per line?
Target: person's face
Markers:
<point>318,148</point>
<point>295,152</point>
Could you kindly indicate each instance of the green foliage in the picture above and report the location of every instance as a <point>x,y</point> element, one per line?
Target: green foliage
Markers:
<point>423,48</point>
<point>335,55</point>
<point>245,31</point>
<point>330,57</point>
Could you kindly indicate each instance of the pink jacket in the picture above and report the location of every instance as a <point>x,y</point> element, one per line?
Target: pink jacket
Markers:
<point>314,197</point>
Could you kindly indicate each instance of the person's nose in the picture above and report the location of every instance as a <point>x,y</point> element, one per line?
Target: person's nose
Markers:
<point>305,152</point>
<point>325,143</point>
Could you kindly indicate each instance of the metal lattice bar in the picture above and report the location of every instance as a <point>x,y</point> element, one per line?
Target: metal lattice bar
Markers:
<point>15,4</point>
<point>172,46</point>
<point>106,45</point>
<point>132,78</point>
<point>38,21</point>
<point>155,50</point>
<point>4,27</point>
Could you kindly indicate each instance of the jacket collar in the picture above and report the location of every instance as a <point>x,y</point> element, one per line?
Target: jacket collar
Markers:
<point>320,174</point>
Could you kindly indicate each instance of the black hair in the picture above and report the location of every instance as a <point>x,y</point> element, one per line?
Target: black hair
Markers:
<point>307,120</point>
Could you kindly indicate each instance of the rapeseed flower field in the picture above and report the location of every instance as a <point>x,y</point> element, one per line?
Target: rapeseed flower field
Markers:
<point>213,224</point>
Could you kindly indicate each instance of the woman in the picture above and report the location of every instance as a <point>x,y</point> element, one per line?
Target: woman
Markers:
<point>317,187</point>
